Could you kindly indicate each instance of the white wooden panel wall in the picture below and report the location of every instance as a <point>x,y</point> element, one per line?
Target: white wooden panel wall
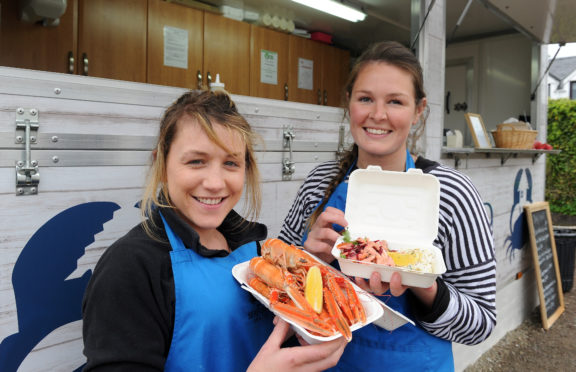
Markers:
<point>515,297</point>
<point>431,53</point>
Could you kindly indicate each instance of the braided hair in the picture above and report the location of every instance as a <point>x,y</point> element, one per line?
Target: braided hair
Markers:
<point>392,53</point>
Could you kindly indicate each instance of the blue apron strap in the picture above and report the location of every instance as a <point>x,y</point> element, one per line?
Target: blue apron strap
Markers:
<point>409,164</point>
<point>350,169</point>
<point>175,241</point>
<point>409,161</point>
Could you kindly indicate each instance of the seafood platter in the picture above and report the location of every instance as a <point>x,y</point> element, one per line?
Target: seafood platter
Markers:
<point>392,223</point>
<point>318,301</point>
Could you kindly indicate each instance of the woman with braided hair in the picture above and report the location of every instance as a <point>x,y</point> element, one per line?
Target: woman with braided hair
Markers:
<point>386,106</point>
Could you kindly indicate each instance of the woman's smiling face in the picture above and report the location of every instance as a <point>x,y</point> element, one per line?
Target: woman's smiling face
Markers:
<point>383,108</point>
<point>204,181</point>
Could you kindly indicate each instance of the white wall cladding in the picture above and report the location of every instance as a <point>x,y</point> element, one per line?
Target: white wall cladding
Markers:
<point>431,53</point>
<point>501,87</point>
<point>499,185</point>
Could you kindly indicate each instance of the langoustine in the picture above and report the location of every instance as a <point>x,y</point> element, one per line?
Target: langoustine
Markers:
<point>280,275</point>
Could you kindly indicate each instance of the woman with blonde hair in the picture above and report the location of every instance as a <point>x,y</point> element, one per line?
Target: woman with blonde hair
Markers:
<point>163,296</point>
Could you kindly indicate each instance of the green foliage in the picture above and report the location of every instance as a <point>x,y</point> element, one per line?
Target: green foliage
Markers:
<point>561,168</point>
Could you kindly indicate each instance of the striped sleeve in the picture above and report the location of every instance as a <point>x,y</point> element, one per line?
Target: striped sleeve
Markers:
<point>308,197</point>
<point>465,238</point>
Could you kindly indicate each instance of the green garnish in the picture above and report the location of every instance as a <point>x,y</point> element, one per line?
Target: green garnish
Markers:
<point>346,236</point>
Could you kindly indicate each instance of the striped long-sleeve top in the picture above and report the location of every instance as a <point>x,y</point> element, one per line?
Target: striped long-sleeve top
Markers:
<point>467,313</point>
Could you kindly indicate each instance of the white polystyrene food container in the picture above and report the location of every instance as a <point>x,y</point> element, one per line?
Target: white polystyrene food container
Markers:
<point>372,307</point>
<point>391,319</point>
<point>399,207</point>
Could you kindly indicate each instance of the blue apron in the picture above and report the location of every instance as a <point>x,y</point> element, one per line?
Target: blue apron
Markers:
<point>218,326</point>
<point>407,348</point>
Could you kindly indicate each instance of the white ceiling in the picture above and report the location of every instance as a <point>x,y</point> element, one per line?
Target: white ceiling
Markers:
<point>549,21</point>
<point>546,21</point>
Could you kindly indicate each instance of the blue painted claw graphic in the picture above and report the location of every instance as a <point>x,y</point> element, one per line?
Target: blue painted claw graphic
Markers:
<point>45,300</point>
<point>522,195</point>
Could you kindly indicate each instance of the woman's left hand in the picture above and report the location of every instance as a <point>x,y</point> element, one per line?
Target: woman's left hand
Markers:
<point>305,358</point>
<point>376,286</point>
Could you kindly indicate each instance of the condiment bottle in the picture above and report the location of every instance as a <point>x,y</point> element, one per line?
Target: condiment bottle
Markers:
<point>217,85</point>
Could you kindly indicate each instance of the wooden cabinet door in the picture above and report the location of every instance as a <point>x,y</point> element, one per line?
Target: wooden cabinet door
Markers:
<point>227,52</point>
<point>270,45</point>
<point>335,69</point>
<point>112,37</point>
<point>305,59</point>
<point>33,46</point>
<point>167,21</point>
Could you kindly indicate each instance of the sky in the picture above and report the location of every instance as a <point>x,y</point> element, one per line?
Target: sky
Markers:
<point>568,50</point>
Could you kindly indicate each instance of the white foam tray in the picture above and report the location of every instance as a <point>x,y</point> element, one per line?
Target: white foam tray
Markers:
<point>399,207</point>
<point>373,308</point>
<point>409,277</point>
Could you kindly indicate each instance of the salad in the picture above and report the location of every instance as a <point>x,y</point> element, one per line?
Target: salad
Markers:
<point>378,252</point>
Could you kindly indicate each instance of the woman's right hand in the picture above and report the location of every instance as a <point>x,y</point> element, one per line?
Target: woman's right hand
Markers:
<point>272,357</point>
<point>322,236</point>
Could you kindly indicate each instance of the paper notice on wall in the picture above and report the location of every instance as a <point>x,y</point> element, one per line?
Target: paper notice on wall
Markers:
<point>305,73</point>
<point>175,47</point>
<point>268,67</point>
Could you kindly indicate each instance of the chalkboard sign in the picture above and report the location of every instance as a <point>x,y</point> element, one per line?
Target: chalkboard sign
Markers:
<point>545,262</point>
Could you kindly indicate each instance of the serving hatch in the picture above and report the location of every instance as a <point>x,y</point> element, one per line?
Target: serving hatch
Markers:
<point>401,208</point>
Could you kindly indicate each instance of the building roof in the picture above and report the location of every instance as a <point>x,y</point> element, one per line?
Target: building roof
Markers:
<point>563,67</point>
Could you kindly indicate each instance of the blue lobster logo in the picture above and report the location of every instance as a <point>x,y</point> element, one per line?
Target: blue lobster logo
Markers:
<point>45,300</point>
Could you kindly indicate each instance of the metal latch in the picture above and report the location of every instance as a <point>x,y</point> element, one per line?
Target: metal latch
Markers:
<point>27,174</point>
<point>288,166</point>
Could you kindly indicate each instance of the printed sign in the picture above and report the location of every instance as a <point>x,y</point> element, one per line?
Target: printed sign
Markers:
<point>305,74</point>
<point>268,67</point>
<point>175,47</point>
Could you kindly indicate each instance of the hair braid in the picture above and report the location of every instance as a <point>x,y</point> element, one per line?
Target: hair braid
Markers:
<point>345,163</point>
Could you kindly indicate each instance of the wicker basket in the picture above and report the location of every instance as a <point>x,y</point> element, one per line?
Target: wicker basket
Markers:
<point>514,136</point>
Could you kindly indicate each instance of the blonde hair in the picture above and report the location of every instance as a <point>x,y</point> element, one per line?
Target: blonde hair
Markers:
<point>392,53</point>
<point>206,108</point>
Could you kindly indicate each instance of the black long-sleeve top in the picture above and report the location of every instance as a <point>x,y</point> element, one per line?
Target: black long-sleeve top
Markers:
<point>128,307</point>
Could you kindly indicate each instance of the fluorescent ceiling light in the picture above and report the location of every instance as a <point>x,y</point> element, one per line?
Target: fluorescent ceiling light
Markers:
<point>336,8</point>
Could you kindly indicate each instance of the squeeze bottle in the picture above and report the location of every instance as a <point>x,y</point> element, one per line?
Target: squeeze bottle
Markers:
<point>217,85</point>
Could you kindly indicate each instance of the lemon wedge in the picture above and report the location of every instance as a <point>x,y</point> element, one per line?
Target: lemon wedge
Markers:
<point>313,288</point>
<point>404,259</point>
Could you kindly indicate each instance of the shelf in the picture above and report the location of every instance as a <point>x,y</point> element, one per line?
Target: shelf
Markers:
<point>460,153</point>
